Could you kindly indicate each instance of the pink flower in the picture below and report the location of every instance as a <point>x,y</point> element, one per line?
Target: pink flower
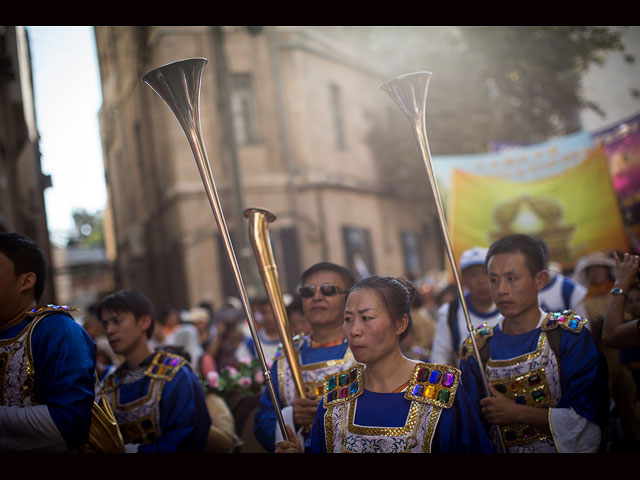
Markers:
<point>245,382</point>
<point>212,379</point>
<point>259,376</point>
<point>245,360</point>
<point>231,370</point>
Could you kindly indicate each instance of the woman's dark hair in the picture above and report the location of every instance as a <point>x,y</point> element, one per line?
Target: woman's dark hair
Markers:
<point>397,294</point>
<point>124,301</point>
<point>26,256</point>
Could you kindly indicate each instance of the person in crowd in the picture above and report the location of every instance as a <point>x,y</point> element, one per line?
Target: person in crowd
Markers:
<point>418,341</point>
<point>452,327</point>
<point>200,318</point>
<point>616,332</point>
<point>229,343</point>
<point>324,351</point>
<point>597,272</point>
<point>267,331</point>
<point>562,292</point>
<point>547,382</point>
<point>299,323</point>
<point>176,330</point>
<point>47,360</point>
<point>106,360</point>
<point>157,400</point>
<point>630,356</point>
<point>621,332</point>
<point>445,295</point>
<point>388,403</point>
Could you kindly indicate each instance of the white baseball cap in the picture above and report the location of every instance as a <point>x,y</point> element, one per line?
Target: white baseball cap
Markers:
<point>473,256</point>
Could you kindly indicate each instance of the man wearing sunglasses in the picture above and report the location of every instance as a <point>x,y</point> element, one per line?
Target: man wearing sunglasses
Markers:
<point>323,289</point>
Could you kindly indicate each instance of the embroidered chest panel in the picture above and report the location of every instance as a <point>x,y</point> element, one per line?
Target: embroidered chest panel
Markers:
<point>313,375</point>
<point>139,419</point>
<point>16,369</point>
<point>17,379</point>
<point>432,388</point>
<point>344,436</point>
<point>530,379</point>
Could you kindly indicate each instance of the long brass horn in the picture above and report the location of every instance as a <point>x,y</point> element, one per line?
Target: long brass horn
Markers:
<point>178,85</point>
<point>259,220</point>
<point>409,91</point>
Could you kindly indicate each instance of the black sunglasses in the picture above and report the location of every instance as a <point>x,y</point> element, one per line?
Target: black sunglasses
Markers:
<point>308,291</point>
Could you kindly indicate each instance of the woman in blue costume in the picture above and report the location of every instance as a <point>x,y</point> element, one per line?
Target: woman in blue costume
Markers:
<point>389,403</point>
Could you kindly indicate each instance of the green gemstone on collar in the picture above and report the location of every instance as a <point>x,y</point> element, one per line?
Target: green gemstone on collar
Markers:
<point>443,396</point>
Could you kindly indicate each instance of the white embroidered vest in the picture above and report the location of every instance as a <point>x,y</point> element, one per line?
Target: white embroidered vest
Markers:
<point>16,369</point>
<point>139,420</point>
<point>532,379</point>
<point>313,375</point>
<point>431,389</point>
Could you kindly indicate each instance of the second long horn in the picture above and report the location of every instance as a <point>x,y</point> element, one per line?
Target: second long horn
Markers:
<point>259,220</point>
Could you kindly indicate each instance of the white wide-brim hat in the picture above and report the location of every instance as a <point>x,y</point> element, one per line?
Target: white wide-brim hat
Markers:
<point>592,260</point>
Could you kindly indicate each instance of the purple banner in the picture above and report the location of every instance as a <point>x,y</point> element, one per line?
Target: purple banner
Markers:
<point>622,146</point>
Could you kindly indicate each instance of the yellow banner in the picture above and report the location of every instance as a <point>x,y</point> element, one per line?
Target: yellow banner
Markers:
<point>575,212</point>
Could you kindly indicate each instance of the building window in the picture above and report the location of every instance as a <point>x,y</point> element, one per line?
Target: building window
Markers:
<point>412,257</point>
<point>337,116</point>
<point>243,109</point>
<point>290,259</point>
<point>357,246</point>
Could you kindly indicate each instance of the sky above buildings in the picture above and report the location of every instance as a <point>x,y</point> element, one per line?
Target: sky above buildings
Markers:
<point>67,98</point>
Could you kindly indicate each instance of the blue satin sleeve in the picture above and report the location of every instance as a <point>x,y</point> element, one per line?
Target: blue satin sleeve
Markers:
<point>64,357</point>
<point>316,442</point>
<point>583,376</point>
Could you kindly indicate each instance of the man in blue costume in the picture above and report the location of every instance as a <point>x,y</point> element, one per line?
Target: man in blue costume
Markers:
<point>547,382</point>
<point>324,351</point>
<point>47,360</point>
<point>156,398</point>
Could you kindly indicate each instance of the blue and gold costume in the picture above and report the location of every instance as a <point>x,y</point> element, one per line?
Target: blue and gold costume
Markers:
<point>430,415</point>
<point>316,363</point>
<point>554,366</point>
<point>159,405</point>
<point>49,359</point>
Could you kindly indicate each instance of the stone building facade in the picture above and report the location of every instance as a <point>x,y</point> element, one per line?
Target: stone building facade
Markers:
<point>22,183</point>
<point>286,114</point>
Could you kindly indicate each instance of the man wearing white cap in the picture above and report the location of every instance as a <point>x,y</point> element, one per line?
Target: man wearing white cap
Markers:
<point>561,293</point>
<point>451,328</point>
